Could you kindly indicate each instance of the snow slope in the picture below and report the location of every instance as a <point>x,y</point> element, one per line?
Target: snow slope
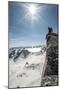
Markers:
<point>27,72</point>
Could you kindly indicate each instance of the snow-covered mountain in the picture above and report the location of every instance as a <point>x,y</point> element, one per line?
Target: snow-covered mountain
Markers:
<point>26,66</point>
<point>24,52</point>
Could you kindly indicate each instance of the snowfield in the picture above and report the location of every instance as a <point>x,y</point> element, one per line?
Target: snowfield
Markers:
<point>27,71</point>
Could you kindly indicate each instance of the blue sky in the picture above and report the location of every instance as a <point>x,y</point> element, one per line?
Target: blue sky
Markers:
<point>23,31</point>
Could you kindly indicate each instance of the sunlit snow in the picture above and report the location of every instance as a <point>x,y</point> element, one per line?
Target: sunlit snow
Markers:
<point>27,72</point>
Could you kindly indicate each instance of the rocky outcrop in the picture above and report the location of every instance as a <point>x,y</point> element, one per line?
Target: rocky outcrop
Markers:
<point>50,77</point>
<point>52,53</point>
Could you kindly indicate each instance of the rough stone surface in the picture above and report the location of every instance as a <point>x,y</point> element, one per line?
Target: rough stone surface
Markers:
<point>50,80</point>
<point>52,54</point>
<point>50,77</point>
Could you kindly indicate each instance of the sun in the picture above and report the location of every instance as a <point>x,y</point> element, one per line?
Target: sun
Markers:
<point>31,12</point>
<point>32,9</point>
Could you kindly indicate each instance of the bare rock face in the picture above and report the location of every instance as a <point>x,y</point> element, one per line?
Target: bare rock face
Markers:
<point>52,63</point>
<point>52,53</point>
<point>50,77</point>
